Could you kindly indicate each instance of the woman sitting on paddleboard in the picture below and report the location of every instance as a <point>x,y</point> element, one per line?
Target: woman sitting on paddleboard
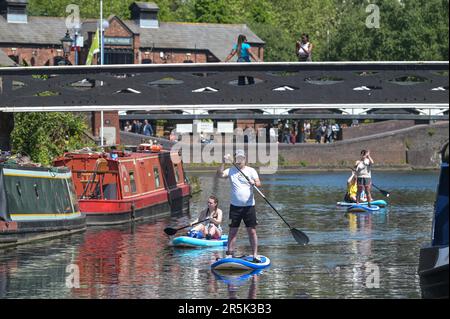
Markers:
<point>352,190</point>
<point>211,228</point>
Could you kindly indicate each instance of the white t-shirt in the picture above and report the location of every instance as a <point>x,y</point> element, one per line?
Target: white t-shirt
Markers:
<point>304,47</point>
<point>364,169</point>
<point>241,190</point>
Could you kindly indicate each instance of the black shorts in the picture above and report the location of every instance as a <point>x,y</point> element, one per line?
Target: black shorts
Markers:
<point>363,181</point>
<point>247,213</point>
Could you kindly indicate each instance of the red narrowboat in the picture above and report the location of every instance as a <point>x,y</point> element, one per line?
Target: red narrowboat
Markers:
<point>120,186</point>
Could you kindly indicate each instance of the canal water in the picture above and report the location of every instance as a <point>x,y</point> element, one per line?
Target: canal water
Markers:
<point>349,256</point>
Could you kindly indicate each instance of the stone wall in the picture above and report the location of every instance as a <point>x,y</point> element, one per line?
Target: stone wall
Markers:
<point>413,147</point>
<point>375,128</point>
<point>416,147</point>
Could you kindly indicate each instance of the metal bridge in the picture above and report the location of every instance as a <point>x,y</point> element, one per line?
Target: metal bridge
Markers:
<point>339,90</point>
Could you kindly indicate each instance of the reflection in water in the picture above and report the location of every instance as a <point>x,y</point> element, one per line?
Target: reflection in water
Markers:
<point>236,279</point>
<point>136,261</point>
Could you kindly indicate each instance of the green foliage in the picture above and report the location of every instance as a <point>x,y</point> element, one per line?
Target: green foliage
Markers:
<point>281,160</point>
<point>161,122</point>
<point>44,136</point>
<point>409,30</point>
<point>303,163</point>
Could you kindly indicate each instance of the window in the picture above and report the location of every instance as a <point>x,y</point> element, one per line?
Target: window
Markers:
<point>16,15</point>
<point>157,180</point>
<point>36,191</point>
<point>132,183</point>
<point>177,176</point>
<point>19,188</point>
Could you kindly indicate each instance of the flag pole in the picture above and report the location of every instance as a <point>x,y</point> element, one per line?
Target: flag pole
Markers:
<point>101,63</point>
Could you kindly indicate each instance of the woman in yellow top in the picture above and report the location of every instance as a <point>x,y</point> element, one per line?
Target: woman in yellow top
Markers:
<point>211,228</point>
<point>352,190</point>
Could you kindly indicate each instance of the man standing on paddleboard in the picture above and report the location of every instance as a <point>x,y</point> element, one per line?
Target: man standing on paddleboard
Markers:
<point>242,205</point>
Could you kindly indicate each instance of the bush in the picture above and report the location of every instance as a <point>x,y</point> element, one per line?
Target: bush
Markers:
<point>44,136</point>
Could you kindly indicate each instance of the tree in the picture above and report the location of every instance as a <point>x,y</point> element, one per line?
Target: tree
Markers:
<point>409,30</point>
<point>44,136</point>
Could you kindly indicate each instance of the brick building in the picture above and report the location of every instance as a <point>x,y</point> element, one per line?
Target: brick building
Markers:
<point>36,40</point>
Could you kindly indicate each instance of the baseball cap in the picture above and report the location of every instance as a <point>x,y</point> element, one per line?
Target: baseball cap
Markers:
<point>239,153</point>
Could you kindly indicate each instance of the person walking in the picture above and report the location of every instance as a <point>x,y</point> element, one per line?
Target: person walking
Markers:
<point>242,206</point>
<point>243,52</point>
<point>147,130</point>
<point>273,135</point>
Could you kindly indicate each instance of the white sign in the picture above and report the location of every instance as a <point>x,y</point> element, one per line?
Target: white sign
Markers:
<point>80,41</point>
<point>109,134</point>
<point>205,127</point>
<point>225,127</point>
<point>184,128</point>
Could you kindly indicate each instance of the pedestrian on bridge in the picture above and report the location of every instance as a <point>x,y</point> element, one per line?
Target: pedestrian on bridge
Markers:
<point>243,52</point>
<point>303,49</point>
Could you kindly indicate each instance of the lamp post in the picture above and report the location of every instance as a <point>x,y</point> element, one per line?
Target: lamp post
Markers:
<point>76,30</point>
<point>66,44</point>
<point>103,25</point>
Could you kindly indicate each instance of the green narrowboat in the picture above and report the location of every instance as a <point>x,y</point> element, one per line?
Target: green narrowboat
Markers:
<point>37,203</point>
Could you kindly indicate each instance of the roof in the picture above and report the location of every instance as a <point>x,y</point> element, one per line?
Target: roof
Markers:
<point>5,60</point>
<point>38,30</point>
<point>20,2</point>
<point>217,38</point>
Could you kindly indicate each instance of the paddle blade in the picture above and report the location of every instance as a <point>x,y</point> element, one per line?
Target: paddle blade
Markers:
<point>170,231</point>
<point>384,193</point>
<point>299,236</point>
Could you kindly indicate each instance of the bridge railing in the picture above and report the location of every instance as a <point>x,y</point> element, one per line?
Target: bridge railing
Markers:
<point>215,86</point>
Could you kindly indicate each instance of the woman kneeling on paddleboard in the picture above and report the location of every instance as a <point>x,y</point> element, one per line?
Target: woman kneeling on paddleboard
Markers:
<point>211,229</point>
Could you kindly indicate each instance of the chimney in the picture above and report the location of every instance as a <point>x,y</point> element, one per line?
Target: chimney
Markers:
<point>15,10</point>
<point>145,14</point>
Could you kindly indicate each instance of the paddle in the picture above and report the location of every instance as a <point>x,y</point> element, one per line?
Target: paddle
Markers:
<point>385,193</point>
<point>172,231</point>
<point>299,236</point>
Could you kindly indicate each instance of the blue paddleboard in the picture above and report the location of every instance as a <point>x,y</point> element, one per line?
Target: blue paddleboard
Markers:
<point>362,208</point>
<point>241,263</point>
<point>186,241</point>
<point>379,202</point>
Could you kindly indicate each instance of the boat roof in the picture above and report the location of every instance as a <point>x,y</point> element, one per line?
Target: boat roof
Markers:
<point>53,169</point>
<point>122,155</point>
